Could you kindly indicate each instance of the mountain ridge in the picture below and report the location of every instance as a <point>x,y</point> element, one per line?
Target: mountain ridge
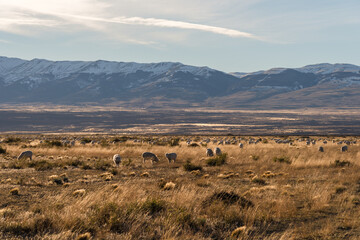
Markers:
<point>174,84</point>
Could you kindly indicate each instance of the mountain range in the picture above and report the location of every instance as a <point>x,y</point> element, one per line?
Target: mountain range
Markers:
<point>172,84</point>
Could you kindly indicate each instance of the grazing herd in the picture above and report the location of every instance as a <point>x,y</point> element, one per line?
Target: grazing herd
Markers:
<point>171,157</point>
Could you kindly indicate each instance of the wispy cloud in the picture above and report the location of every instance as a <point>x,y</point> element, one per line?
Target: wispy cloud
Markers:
<point>4,41</point>
<point>167,24</point>
<point>17,16</point>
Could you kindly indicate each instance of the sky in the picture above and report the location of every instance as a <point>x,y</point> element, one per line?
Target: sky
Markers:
<point>228,35</point>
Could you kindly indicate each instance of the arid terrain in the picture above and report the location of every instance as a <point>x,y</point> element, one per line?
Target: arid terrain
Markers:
<point>201,121</point>
<point>271,188</point>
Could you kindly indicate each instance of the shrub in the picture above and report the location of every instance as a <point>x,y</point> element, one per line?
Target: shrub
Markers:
<point>16,165</point>
<point>188,166</point>
<point>127,162</point>
<point>17,229</point>
<point>102,165</point>
<point>174,142</point>
<point>104,143</point>
<point>188,221</point>
<point>2,150</point>
<point>120,139</point>
<point>41,165</point>
<point>339,163</point>
<point>282,160</point>
<point>74,162</point>
<point>53,143</point>
<point>258,180</point>
<point>228,198</point>
<point>217,161</point>
<point>86,140</point>
<point>86,166</point>
<point>255,157</point>
<point>340,189</point>
<point>112,216</point>
<point>12,140</point>
<point>193,145</point>
<point>153,206</point>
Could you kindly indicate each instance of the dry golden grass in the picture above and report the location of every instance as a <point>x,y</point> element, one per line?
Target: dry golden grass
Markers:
<point>77,192</point>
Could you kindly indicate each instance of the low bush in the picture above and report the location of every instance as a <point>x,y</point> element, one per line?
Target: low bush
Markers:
<point>74,162</point>
<point>193,145</point>
<point>86,140</point>
<point>228,198</point>
<point>120,139</point>
<point>41,165</point>
<point>282,160</point>
<point>217,161</point>
<point>339,163</point>
<point>10,140</point>
<point>153,206</point>
<point>2,150</point>
<point>53,143</point>
<point>174,142</point>
<point>188,166</point>
<point>102,165</point>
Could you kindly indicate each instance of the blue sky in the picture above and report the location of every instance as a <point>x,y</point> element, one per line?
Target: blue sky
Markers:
<point>229,35</point>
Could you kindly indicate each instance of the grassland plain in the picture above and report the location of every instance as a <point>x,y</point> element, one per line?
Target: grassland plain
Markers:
<point>261,191</point>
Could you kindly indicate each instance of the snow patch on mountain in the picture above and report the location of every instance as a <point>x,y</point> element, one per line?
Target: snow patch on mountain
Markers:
<point>15,69</point>
<point>9,63</point>
<point>327,68</point>
<point>322,68</point>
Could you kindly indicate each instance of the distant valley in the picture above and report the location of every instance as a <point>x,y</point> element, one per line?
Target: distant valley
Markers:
<point>41,96</point>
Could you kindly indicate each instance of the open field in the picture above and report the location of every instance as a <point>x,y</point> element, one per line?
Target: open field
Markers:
<point>77,119</point>
<point>268,190</point>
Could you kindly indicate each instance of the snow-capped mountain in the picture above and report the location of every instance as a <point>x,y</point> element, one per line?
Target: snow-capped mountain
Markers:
<point>13,69</point>
<point>175,84</point>
<point>322,68</point>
